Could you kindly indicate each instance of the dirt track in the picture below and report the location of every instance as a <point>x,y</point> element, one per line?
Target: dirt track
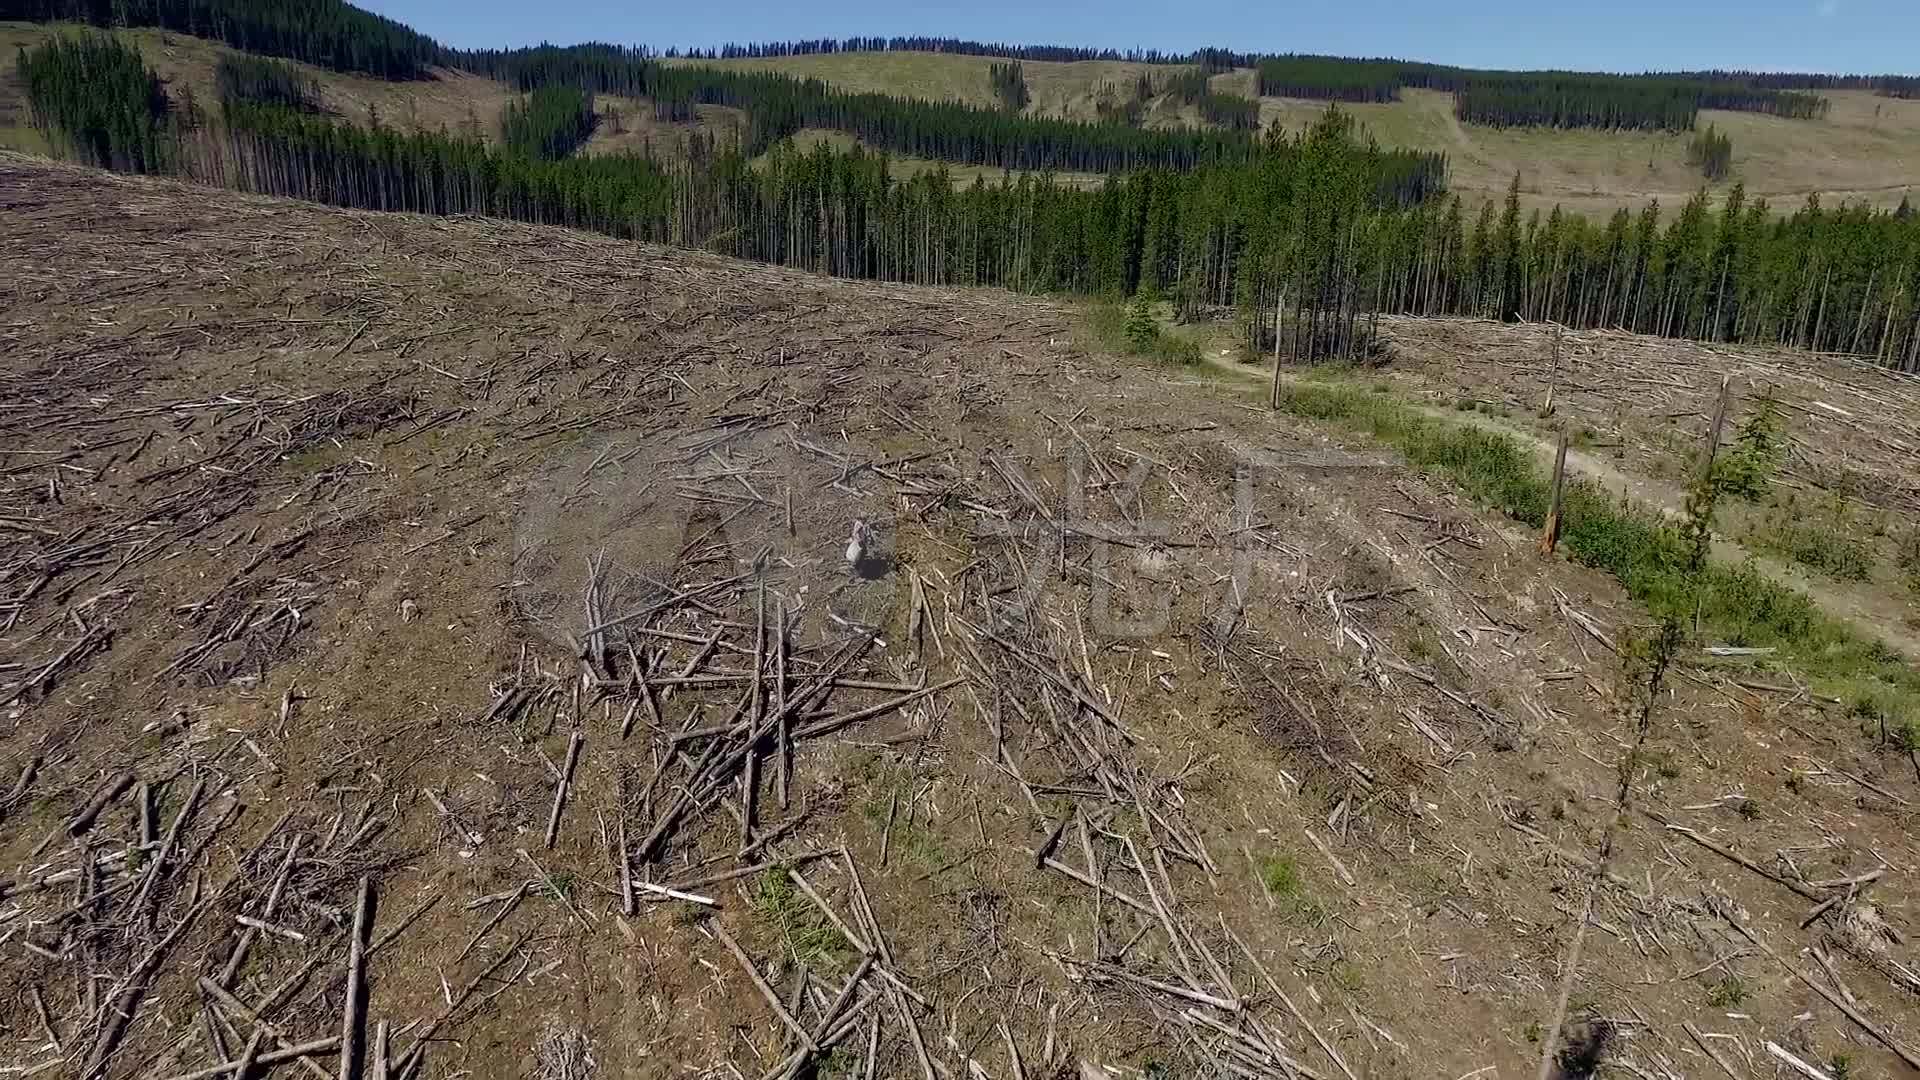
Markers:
<point>1853,459</point>
<point>356,519</point>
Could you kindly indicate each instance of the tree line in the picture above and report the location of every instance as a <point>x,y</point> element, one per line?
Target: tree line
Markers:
<point>1328,85</point>
<point>1885,85</point>
<point>238,76</point>
<point>776,106</point>
<point>1213,58</point>
<point>550,123</point>
<point>1305,240</point>
<point>325,33</point>
<point>1538,98</point>
<point>342,37</point>
<point>1330,78</point>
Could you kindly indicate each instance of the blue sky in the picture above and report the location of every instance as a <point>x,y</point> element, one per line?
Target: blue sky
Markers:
<point>1873,36</point>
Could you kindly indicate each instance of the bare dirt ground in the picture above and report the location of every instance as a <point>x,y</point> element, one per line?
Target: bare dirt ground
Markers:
<point>497,575</point>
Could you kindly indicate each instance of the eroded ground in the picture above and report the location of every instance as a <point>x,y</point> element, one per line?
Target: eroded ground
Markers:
<point>1142,731</point>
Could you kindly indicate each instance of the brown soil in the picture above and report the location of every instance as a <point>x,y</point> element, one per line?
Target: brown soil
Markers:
<point>300,503</point>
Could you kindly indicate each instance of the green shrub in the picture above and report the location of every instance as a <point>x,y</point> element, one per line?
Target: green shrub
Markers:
<point>1757,452</point>
<point>1822,548</point>
<point>1727,993</point>
<point>1131,328</point>
<point>1140,328</point>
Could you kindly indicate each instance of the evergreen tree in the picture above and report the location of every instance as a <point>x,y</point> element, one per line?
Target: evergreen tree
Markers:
<point>326,33</point>
<point>549,123</point>
<point>252,78</point>
<point>96,99</point>
<point>1009,84</point>
<point>1711,153</point>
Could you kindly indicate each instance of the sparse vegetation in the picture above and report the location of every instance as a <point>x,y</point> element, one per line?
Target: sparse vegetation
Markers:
<point>1907,555</point>
<point>1825,547</point>
<point>1736,605</point>
<point>1281,876</point>
<point>1282,879</point>
<point>1728,993</point>
<point>889,812</point>
<point>810,939</point>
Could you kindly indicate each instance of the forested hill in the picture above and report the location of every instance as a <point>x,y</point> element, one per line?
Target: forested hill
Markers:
<point>1307,234</point>
<point>1302,227</point>
<point>325,33</point>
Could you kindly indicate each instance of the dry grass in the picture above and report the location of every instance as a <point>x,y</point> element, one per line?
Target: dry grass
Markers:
<point>1867,149</point>
<point>1852,154</point>
<point>637,132</point>
<point>452,100</point>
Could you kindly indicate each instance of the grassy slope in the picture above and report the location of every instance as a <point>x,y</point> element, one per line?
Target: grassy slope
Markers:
<point>1868,148</point>
<point>1056,89</point>
<point>451,100</point>
<point>640,133</point>
<point>1855,153</point>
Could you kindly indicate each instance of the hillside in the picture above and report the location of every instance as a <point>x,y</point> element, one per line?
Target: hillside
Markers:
<point>470,598</point>
<point>452,100</point>
<point>1867,149</point>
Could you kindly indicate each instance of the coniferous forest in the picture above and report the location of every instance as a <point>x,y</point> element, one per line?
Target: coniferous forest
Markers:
<point>253,78</point>
<point>777,106</point>
<point>1711,153</point>
<point>1538,98</point>
<point>1309,234</point>
<point>1190,86</point>
<point>549,123</point>
<point>97,99</point>
<point>1009,84</point>
<point>325,33</point>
